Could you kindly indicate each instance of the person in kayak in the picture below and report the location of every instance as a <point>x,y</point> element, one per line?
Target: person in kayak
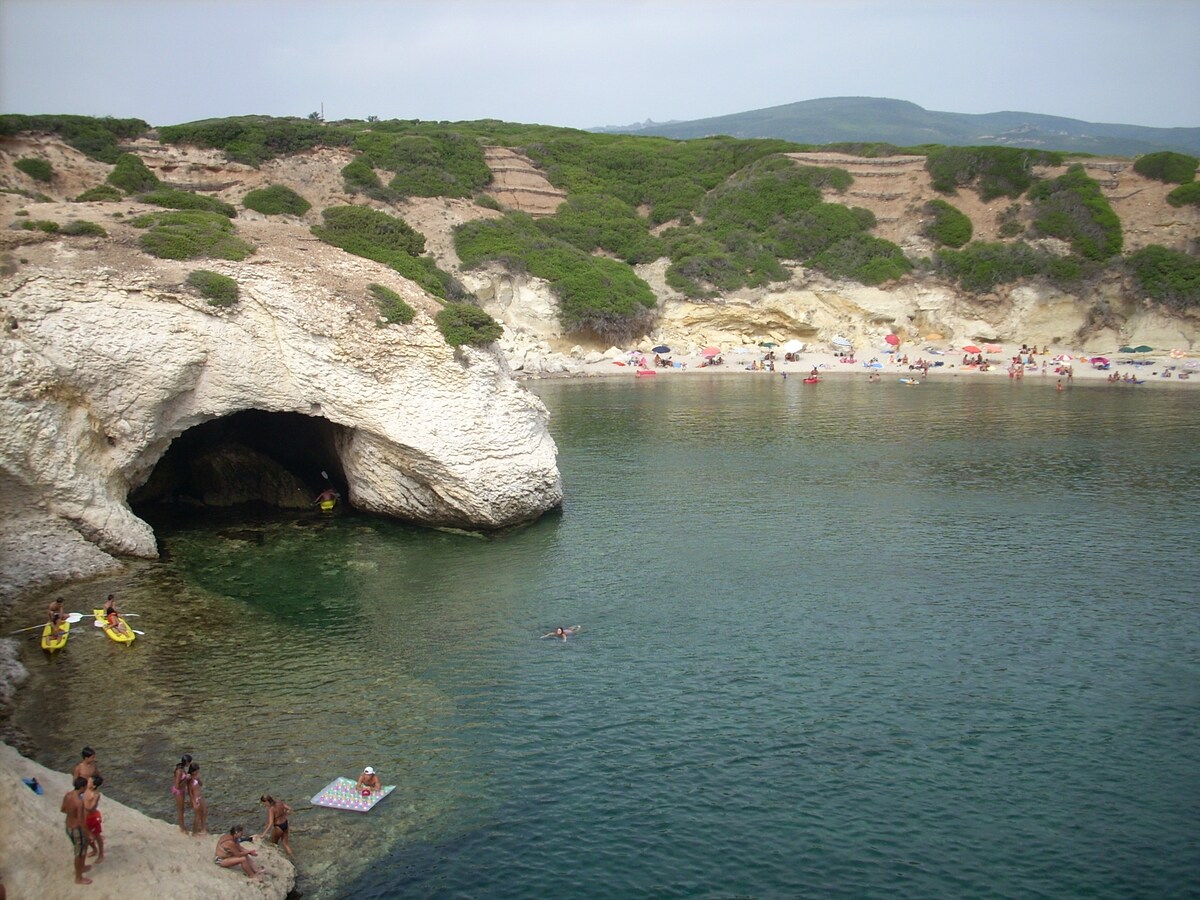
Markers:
<point>327,499</point>
<point>563,633</point>
<point>368,781</point>
<point>112,617</point>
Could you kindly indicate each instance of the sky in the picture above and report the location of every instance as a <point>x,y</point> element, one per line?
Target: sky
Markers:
<point>586,64</point>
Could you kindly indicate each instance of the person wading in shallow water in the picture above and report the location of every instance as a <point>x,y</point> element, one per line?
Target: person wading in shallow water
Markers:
<point>277,821</point>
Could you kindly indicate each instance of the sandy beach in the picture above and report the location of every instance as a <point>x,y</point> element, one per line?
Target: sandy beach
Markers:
<point>1058,363</point>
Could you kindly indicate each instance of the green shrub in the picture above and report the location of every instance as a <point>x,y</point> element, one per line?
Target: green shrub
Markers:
<point>1185,195</point>
<point>40,225</point>
<point>96,138</point>
<point>818,227</point>
<point>77,227</point>
<point>392,306</point>
<point>601,222</point>
<point>220,290</point>
<point>863,258</point>
<point>1166,166</point>
<point>487,201</point>
<point>946,224</point>
<point>172,198</point>
<point>982,266</point>
<point>461,323</point>
<point>276,199</point>
<point>1171,277</point>
<point>256,139</point>
<point>593,292</point>
<point>994,171</point>
<point>189,234</point>
<point>101,193</point>
<point>434,164</point>
<point>1072,207</point>
<point>385,239</point>
<point>1011,229</point>
<point>131,175</point>
<point>37,169</point>
<point>360,178</point>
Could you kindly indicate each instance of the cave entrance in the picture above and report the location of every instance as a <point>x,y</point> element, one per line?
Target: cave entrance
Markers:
<point>274,459</point>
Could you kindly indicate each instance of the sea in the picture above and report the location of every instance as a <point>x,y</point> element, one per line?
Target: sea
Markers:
<point>837,640</point>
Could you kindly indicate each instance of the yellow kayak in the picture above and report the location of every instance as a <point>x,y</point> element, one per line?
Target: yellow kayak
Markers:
<point>125,637</point>
<point>58,643</point>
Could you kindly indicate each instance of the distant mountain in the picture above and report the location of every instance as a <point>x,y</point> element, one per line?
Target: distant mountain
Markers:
<point>837,119</point>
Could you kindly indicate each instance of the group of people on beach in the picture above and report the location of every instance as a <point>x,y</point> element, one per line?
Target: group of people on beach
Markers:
<point>81,806</point>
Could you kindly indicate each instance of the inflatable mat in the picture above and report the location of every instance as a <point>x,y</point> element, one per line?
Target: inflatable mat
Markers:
<point>340,794</point>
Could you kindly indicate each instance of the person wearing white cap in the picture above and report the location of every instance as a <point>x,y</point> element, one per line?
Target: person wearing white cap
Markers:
<point>368,781</point>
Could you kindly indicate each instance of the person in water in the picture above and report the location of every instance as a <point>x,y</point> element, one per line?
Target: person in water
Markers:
<point>277,821</point>
<point>231,853</point>
<point>327,499</point>
<point>563,633</point>
<point>179,789</point>
<point>368,781</point>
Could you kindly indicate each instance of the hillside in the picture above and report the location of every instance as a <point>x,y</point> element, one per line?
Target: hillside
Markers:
<point>684,242</point>
<point>872,119</point>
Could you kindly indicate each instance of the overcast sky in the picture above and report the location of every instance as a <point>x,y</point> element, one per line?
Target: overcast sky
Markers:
<point>585,64</point>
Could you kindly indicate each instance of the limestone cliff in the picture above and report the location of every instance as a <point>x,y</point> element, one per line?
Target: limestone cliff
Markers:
<point>108,361</point>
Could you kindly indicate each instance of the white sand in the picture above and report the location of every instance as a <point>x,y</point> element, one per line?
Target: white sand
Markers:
<point>144,858</point>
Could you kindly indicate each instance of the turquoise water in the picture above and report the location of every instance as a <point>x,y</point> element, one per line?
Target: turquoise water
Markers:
<point>845,641</point>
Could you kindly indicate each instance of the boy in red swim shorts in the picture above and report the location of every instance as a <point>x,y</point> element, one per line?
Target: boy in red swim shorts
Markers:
<point>91,804</point>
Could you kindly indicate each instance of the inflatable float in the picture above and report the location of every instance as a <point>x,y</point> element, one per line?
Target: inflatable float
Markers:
<point>341,793</point>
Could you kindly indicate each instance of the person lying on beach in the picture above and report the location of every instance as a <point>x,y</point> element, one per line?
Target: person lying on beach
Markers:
<point>368,781</point>
<point>563,633</point>
<point>230,853</point>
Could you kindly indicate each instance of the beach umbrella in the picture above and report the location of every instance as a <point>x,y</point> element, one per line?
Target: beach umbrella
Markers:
<point>1141,348</point>
<point>767,344</point>
<point>1177,353</point>
<point>1099,360</point>
<point>793,346</point>
<point>893,340</point>
<point>838,341</point>
<point>709,352</point>
<point>971,348</point>
<point>992,348</point>
<point>1126,349</point>
<point>661,348</point>
<point>1063,357</point>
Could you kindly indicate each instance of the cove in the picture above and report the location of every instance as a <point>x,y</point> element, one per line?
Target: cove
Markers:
<point>851,640</point>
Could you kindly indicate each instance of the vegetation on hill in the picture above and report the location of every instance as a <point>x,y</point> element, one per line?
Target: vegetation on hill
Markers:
<point>189,234</point>
<point>132,175</point>
<point>1168,276</point>
<point>276,199</point>
<point>82,227</point>
<point>37,169</point>
<point>946,224</point>
<point>1172,168</point>
<point>993,171</point>
<point>392,306</point>
<point>982,266</point>
<point>101,193</point>
<point>172,198</point>
<point>218,289</point>
<point>438,164</point>
<point>255,139</point>
<point>1072,207</point>
<point>1185,195</point>
<point>97,138</point>
<point>463,323</point>
<point>385,239</point>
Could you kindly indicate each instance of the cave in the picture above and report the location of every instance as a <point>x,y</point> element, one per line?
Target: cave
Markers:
<point>274,459</point>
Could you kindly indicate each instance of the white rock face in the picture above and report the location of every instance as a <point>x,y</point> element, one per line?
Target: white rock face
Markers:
<point>101,372</point>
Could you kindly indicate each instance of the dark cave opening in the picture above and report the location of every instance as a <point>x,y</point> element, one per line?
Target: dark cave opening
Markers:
<point>250,457</point>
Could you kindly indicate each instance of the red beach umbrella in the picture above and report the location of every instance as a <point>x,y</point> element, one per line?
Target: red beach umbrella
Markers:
<point>971,348</point>
<point>893,340</point>
<point>710,352</point>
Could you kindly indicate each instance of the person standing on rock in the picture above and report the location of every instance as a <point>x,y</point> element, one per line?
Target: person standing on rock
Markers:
<point>91,806</point>
<point>72,806</point>
<point>86,767</point>
<point>199,805</point>
<point>179,788</point>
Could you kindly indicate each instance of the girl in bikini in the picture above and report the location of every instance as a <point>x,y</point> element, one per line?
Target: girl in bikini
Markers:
<point>199,807</point>
<point>179,788</point>
<point>277,821</point>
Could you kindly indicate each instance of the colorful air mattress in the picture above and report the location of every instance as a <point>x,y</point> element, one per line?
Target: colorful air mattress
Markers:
<point>341,794</point>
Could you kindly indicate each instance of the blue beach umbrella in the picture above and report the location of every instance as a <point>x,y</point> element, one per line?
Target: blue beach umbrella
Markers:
<point>661,348</point>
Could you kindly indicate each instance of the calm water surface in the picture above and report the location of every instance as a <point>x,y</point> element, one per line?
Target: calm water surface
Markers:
<point>843,641</point>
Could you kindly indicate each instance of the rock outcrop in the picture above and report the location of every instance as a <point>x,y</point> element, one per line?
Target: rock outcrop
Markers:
<point>104,367</point>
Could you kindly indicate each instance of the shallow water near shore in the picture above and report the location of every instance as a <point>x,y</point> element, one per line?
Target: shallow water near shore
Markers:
<point>847,640</point>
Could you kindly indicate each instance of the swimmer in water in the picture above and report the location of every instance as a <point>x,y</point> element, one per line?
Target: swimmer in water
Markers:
<point>563,633</point>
